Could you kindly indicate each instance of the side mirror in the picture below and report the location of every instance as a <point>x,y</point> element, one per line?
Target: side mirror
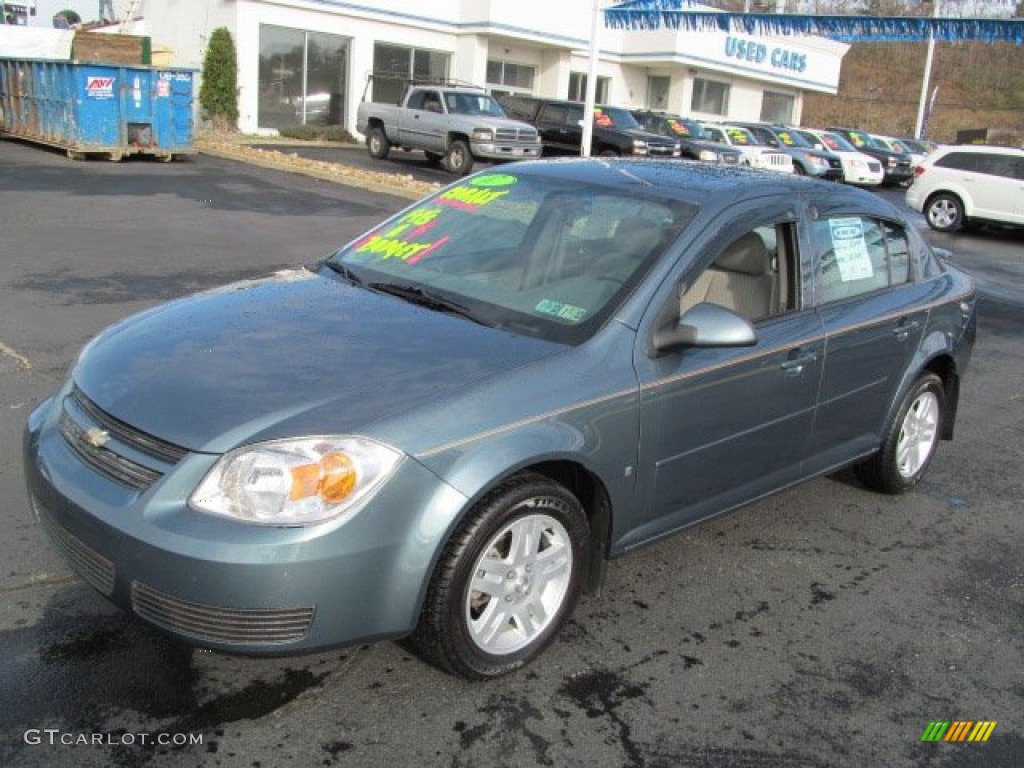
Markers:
<point>704,325</point>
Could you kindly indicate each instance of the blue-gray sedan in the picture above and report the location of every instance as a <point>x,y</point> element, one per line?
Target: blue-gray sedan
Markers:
<point>444,430</point>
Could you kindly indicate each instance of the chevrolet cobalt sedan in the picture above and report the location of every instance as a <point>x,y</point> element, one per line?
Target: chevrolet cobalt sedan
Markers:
<point>443,431</point>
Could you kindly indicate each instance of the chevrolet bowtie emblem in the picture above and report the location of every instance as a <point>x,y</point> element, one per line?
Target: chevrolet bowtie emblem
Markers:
<point>96,437</point>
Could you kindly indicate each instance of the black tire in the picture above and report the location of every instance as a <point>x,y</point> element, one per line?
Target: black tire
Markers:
<point>540,583</point>
<point>458,159</point>
<point>377,143</point>
<point>433,158</point>
<point>607,152</point>
<point>944,212</point>
<point>909,442</point>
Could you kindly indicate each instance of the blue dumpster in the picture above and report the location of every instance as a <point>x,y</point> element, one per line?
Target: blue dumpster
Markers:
<point>104,108</point>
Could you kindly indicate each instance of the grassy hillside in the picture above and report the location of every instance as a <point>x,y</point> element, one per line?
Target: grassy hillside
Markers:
<point>981,85</point>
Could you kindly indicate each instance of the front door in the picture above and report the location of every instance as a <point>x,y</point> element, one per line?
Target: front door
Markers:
<point>720,427</point>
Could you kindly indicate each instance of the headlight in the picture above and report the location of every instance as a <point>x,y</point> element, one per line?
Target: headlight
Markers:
<point>294,482</point>
<point>708,156</point>
<point>818,161</point>
<point>483,134</point>
<point>639,147</point>
<point>857,163</point>
<point>891,162</point>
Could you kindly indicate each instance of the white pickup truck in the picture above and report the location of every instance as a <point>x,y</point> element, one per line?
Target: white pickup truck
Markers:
<point>453,125</point>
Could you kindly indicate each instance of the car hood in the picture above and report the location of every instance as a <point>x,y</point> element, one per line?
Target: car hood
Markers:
<point>296,353</point>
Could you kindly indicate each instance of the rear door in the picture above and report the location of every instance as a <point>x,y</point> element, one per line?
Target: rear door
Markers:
<point>874,315</point>
<point>560,129</point>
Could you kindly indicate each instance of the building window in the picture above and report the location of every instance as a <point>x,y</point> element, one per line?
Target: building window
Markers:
<point>578,87</point>
<point>302,78</point>
<point>504,78</point>
<point>777,108</point>
<point>710,97</point>
<point>395,65</point>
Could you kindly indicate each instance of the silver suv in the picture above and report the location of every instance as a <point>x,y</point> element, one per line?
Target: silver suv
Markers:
<point>957,186</point>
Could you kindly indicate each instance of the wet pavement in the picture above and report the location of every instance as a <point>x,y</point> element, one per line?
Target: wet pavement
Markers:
<point>826,626</point>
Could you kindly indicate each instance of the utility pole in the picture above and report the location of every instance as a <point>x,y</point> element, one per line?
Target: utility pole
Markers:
<point>927,76</point>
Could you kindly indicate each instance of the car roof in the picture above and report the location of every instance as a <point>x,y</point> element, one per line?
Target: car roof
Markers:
<point>697,182</point>
<point>983,149</point>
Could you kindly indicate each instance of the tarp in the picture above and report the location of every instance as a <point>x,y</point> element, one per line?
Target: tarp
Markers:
<point>692,16</point>
<point>18,42</point>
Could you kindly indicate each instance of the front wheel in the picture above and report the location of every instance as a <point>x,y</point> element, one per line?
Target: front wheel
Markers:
<point>945,213</point>
<point>910,441</point>
<point>459,159</point>
<point>506,582</point>
<point>377,144</point>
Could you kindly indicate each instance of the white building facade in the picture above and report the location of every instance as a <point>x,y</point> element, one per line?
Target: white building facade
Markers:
<point>310,60</point>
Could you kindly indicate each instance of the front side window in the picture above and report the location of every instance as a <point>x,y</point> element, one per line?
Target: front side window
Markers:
<point>536,255</point>
<point>709,97</point>
<point>754,276</point>
<point>857,255</point>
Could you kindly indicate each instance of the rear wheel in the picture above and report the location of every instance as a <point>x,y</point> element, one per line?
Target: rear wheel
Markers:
<point>459,159</point>
<point>945,213</point>
<point>506,582</point>
<point>377,144</point>
<point>910,441</point>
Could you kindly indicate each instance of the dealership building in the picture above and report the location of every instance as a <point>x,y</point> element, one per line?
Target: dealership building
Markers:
<point>311,61</point>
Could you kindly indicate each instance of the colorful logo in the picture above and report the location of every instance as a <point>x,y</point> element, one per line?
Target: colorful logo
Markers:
<point>958,730</point>
<point>494,180</point>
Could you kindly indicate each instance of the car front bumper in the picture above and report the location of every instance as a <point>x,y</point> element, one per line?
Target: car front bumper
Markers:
<point>492,151</point>
<point>230,586</point>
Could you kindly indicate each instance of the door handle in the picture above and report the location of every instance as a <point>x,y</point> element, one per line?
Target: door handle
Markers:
<point>903,330</point>
<point>794,364</point>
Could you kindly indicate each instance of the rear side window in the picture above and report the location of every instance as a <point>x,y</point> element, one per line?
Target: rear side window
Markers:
<point>857,255</point>
<point>960,161</point>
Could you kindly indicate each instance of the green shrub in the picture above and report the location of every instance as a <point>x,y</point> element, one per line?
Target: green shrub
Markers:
<point>218,95</point>
<point>316,133</point>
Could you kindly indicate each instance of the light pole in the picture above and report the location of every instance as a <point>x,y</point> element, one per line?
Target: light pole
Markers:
<point>927,76</point>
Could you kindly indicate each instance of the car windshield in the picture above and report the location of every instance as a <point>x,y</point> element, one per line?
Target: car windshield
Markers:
<point>742,137</point>
<point>608,117</point>
<point>792,139</point>
<point>472,104</point>
<point>836,142</point>
<point>542,256</point>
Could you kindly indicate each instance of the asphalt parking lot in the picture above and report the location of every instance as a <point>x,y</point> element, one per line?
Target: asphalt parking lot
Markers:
<point>826,626</point>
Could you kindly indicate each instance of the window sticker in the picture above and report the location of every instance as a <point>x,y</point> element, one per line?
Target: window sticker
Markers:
<point>850,249</point>
<point>830,142</point>
<point>494,180</point>
<point>558,309</point>
<point>786,138</point>
<point>395,243</point>
<point>677,127</point>
<point>603,119</point>
<point>738,136</point>
<point>470,198</point>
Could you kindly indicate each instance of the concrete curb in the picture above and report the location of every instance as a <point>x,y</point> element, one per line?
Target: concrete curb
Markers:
<point>385,183</point>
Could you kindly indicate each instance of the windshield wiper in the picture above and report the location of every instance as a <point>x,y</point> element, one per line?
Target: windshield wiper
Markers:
<point>424,298</point>
<point>345,272</point>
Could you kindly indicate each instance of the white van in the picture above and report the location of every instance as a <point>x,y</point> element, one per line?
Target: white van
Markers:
<point>957,186</point>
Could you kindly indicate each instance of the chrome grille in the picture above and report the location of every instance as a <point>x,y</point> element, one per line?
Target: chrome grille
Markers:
<point>104,460</point>
<point>221,625</point>
<point>87,563</point>
<point>513,134</point>
<point>140,441</point>
<point>111,447</point>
